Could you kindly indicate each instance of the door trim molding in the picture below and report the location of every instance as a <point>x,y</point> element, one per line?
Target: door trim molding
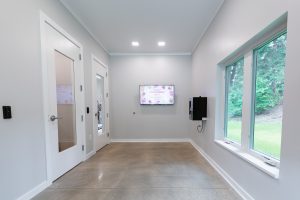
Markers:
<point>45,20</point>
<point>99,61</point>
<point>89,155</point>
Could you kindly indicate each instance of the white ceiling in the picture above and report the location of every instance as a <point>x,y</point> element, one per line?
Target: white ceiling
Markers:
<point>116,23</point>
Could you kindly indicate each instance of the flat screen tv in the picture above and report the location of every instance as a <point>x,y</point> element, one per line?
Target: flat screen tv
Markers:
<point>157,94</point>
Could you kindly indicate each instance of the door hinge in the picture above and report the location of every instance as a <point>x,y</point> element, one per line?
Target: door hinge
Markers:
<point>107,94</point>
<point>82,118</point>
<point>107,134</point>
<point>81,88</point>
<point>107,115</point>
<point>79,56</point>
<point>82,147</point>
<point>106,74</point>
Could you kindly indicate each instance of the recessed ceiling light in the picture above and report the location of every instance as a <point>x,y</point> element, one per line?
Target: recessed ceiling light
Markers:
<point>135,43</point>
<point>161,43</point>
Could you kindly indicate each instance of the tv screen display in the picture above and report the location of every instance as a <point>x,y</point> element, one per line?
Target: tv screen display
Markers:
<point>157,94</point>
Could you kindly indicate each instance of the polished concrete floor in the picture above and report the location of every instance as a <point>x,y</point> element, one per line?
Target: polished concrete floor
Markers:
<point>142,171</point>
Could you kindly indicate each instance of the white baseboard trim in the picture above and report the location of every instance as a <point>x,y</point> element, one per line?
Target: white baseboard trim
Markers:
<point>89,155</point>
<point>33,192</point>
<point>152,140</point>
<point>224,174</point>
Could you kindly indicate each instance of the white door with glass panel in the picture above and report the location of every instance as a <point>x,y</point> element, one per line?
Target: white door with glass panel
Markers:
<point>101,106</point>
<point>65,102</point>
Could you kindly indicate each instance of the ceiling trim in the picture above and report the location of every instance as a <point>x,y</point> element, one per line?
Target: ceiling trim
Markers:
<point>151,54</point>
<point>207,26</point>
<point>84,26</point>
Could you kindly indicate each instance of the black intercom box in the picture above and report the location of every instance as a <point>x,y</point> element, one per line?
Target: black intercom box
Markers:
<point>6,112</point>
<point>198,108</point>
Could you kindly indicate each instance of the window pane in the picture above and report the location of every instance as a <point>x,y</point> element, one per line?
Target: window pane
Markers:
<point>269,86</point>
<point>234,95</point>
<point>100,104</point>
<point>66,107</point>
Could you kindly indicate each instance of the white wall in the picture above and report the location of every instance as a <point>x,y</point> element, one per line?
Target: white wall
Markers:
<point>22,139</point>
<point>149,122</point>
<point>237,22</point>
<point>290,162</point>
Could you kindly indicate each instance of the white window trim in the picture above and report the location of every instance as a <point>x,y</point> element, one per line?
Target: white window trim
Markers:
<point>258,163</point>
<point>243,150</point>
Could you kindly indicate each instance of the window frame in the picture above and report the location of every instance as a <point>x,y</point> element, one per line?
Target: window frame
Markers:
<point>264,162</point>
<point>253,100</point>
<point>226,90</point>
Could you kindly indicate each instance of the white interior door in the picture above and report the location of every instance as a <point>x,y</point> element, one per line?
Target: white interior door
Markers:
<point>65,102</point>
<point>101,105</point>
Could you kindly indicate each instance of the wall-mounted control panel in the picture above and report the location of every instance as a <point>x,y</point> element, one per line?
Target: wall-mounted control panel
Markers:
<point>198,108</point>
<point>6,112</point>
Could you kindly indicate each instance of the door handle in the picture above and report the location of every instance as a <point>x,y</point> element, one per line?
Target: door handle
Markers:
<point>53,118</point>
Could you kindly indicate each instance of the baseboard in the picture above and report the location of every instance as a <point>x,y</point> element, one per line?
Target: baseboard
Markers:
<point>89,155</point>
<point>224,174</point>
<point>151,140</point>
<point>33,192</point>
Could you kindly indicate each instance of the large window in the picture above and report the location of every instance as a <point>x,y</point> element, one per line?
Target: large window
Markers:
<point>234,95</point>
<point>269,64</point>
<point>252,101</point>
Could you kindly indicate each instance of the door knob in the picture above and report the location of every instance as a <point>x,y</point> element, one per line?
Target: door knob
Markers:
<point>53,118</point>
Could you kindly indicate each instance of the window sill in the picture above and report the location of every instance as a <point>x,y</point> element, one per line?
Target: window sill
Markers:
<point>271,171</point>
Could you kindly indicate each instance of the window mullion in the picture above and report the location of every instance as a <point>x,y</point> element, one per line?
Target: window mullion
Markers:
<point>226,102</point>
<point>247,101</point>
<point>220,103</point>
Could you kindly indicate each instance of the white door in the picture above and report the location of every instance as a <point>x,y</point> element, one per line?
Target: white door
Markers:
<point>65,102</point>
<point>101,105</point>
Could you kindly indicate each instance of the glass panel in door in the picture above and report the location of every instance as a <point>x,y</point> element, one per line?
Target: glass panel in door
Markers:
<point>100,104</point>
<point>66,109</point>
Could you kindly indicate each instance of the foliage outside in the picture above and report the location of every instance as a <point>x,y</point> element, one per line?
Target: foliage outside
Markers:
<point>270,65</point>
<point>269,87</point>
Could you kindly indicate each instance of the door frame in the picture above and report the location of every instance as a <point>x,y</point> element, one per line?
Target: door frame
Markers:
<point>107,119</point>
<point>46,21</point>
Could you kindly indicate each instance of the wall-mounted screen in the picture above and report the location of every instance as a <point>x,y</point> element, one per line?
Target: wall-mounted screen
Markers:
<point>157,94</point>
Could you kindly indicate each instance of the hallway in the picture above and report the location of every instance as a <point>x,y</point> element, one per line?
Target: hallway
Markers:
<point>141,171</point>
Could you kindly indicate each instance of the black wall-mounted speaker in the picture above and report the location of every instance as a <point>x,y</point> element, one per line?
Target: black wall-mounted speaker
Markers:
<point>198,108</point>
